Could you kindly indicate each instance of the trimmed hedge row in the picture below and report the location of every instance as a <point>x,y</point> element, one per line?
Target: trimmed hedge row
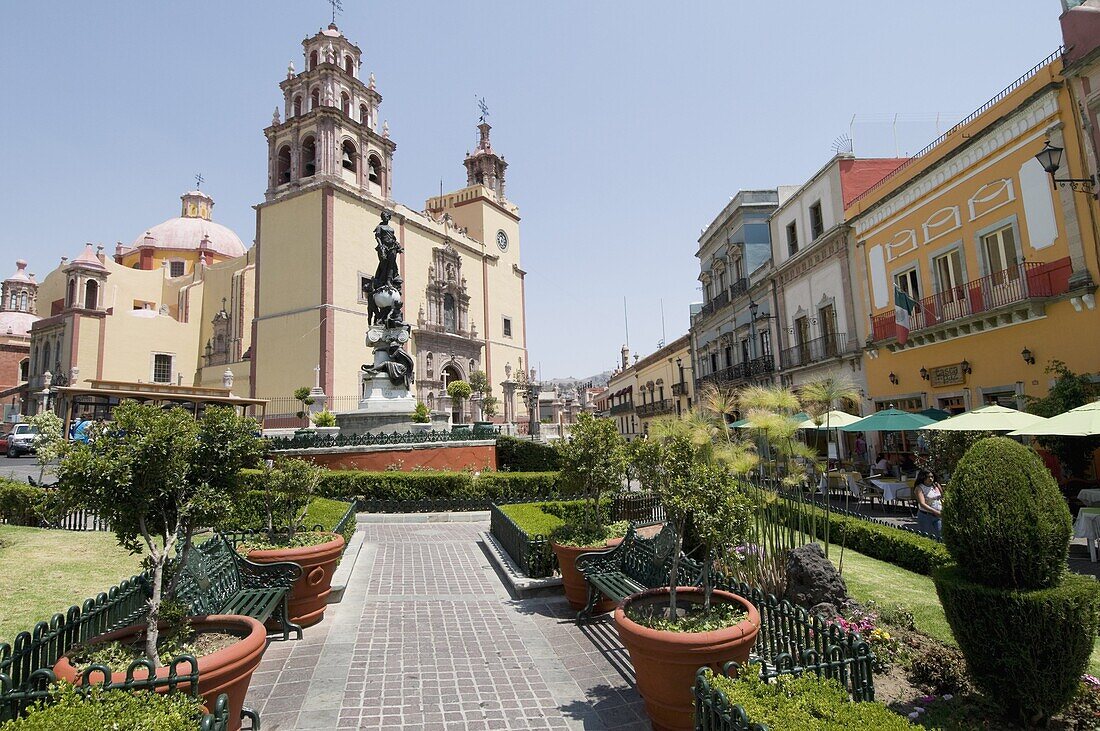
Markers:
<point>21,504</point>
<point>893,545</point>
<point>415,486</point>
<point>524,455</point>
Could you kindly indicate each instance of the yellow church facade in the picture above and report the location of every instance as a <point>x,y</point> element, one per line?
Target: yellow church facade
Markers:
<point>187,303</point>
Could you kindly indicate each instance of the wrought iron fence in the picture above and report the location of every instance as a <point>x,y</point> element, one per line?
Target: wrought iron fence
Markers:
<point>640,508</point>
<point>531,553</point>
<point>816,350</point>
<point>316,441</point>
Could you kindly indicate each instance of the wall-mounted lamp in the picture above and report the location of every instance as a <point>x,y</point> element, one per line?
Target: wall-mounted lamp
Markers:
<point>965,366</point>
<point>893,378</point>
<point>923,373</point>
<point>1028,356</point>
<point>1050,157</point>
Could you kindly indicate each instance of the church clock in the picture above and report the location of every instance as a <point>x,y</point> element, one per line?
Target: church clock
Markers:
<point>502,240</point>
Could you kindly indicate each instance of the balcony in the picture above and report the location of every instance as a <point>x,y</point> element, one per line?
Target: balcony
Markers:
<point>739,288</point>
<point>622,408</point>
<point>679,389</point>
<point>739,372</point>
<point>816,351</point>
<point>1010,295</point>
<point>656,408</point>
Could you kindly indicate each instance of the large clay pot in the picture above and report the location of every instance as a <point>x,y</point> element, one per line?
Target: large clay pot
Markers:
<point>665,663</point>
<point>576,590</point>
<point>226,671</point>
<point>309,596</point>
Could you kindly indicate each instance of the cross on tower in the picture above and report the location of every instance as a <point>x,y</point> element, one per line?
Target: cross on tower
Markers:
<point>337,6</point>
<point>199,181</point>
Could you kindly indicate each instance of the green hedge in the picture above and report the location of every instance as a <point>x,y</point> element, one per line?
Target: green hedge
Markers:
<point>21,504</point>
<point>806,703</point>
<point>1025,649</point>
<point>534,519</point>
<point>121,710</point>
<point>524,455</point>
<point>886,543</point>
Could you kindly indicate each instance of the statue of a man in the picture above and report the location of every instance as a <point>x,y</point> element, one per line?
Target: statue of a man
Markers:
<point>388,249</point>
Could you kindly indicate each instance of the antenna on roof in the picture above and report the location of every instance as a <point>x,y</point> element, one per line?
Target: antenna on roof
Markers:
<point>842,145</point>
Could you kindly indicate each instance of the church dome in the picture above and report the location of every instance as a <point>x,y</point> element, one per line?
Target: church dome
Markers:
<point>16,323</point>
<point>193,229</point>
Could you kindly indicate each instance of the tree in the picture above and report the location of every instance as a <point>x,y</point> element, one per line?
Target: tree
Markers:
<point>155,475</point>
<point>489,405</point>
<point>479,383</point>
<point>1069,391</point>
<point>302,395</point>
<point>593,462</point>
<point>288,486</point>
<point>50,442</point>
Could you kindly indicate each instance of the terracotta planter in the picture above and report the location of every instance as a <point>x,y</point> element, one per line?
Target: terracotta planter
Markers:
<point>612,542</point>
<point>226,671</point>
<point>309,596</point>
<point>576,590</point>
<point>665,663</point>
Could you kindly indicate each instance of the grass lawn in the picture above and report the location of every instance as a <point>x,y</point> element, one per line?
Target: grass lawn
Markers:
<point>47,571</point>
<point>870,579</point>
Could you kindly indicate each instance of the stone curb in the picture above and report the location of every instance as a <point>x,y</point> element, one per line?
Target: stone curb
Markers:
<point>347,563</point>
<point>472,516</point>
<point>520,582</point>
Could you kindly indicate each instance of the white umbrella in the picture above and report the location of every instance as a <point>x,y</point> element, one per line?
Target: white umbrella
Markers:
<point>1084,421</point>
<point>831,420</point>
<point>988,418</point>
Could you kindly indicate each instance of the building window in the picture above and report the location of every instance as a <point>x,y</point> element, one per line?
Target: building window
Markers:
<point>24,369</point>
<point>729,357</point>
<point>792,238</point>
<point>449,320</point>
<point>363,114</point>
<point>949,275</point>
<point>714,362</point>
<point>745,350</point>
<point>70,293</point>
<point>314,99</point>
<point>1000,255</point>
<point>802,331</point>
<point>765,343</point>
<point>162,368</point>
<point>907,282</point>
<point>313,59</point>
<point>349,66</point>
<point>345,103</point>
<point>298,105</point>
<point>91,295</point>
<point>309,157</point>
<point>817,222</point>
<point>282,165</point>
<point>176,268</point>
<point>507,327</point>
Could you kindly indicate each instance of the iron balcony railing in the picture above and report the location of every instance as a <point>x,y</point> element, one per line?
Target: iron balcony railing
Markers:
<point>679,389</point>
<point>816,350</point>
<point>623,408</point>
<point>656,408</point>
<point>739,372</point>
<point>739,288</point>
<point>1020,283</point>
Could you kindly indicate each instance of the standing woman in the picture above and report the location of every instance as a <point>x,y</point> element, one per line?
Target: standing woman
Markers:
<point>929,503</point>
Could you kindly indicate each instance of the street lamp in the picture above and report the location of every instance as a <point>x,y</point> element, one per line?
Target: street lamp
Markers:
<point>1050,157</point>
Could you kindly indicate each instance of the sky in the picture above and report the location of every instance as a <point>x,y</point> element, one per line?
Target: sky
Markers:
<point>627,126</point>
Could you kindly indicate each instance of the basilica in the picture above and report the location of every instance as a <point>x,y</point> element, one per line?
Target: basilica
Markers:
<point>188,304</point>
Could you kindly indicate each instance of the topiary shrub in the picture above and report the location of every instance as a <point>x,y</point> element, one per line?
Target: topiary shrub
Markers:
<point>1026,650</point>
<point>1005,521</point>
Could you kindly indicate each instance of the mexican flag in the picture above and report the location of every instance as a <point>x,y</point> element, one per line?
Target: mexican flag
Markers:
<point>903,310</point>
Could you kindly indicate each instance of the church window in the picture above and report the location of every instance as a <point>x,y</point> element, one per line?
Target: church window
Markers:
<point>13,301</point>
<point>363,114</point>
<point>162,368</point>
<point>309,157</point>
<point>176,268</point>
<point>91,294</point>
<point>70,293</point>
<point>349,65</point>
<point>282,166</point>
<point>23,302</point>
<point>313,59</point>
<point>507,327</point>
<point>450,323</point>
<point>345,103</point>
<point>374,169</point>
<point>297,105</point>
<point>24,369</point>
<point>349,156</point>
<point>314,99</point>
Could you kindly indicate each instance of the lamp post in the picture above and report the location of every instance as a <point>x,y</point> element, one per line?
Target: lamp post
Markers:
<point>1050,157</point>
<point>753,308</point>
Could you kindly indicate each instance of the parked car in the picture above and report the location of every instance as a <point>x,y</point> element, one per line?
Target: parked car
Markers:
<point>20,440</point>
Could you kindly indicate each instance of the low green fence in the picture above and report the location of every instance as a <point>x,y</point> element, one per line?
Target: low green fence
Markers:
<point>316,441</point>
<point>532,554</point>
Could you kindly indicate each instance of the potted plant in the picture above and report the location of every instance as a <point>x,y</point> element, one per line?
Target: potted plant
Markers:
<point>287,486</point>
<point>421,417</point>
<point>671,632</point>
<point>459,391</point>
<point>324,423</point>
<point>156,475</point>
<point>593,463</point>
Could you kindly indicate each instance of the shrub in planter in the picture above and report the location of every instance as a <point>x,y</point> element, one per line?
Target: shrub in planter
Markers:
<point>323,419</point>
<point>420,414</point>
<point>1025,627</point>
<point>70,709</point>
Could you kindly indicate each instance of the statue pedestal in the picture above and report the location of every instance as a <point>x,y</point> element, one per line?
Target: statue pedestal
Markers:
<point>383,409</point>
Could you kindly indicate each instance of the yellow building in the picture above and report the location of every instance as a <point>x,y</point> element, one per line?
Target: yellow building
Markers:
<point>656,385</point>
<point>1001,265</point>
<point>187,302</point>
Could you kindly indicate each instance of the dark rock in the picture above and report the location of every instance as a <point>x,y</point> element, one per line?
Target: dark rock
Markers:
<point>826,611</point>
<point>812,579</point>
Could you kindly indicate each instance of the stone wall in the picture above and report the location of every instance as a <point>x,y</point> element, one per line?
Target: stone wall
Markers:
<point>478,455</point>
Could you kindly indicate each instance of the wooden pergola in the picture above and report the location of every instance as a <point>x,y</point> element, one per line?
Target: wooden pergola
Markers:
<point>103,396</point>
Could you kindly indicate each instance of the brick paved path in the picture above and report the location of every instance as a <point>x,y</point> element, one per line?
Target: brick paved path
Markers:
<point>426,637</point>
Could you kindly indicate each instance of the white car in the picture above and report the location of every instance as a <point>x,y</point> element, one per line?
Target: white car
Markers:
<point>21,439</point>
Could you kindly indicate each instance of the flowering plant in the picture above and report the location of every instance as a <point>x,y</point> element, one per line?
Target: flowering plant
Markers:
<point>865,622</point>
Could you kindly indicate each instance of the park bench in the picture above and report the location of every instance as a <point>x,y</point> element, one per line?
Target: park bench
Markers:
<point>218,580</point>
<point>635,565</point>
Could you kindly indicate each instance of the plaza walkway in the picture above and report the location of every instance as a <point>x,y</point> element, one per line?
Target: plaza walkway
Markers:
<point>426,637</point>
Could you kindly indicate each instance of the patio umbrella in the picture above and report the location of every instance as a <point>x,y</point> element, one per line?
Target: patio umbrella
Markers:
<point>936,414</point>
<point>988,418</point>
<point>834,420</point>
<point>889,420</point>
<point>1084,421</point>
<point>744,423</point>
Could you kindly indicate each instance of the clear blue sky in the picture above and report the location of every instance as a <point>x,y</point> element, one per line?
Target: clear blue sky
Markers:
<point>626,125</point>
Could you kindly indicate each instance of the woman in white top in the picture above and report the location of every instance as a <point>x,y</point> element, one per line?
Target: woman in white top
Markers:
<point>929,503</point>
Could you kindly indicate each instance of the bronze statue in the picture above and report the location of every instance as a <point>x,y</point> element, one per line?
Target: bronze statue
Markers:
<point>388,248</point>
<point>399,367</point>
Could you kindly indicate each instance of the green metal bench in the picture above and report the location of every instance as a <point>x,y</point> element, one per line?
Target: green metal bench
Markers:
<point>218,580</point>
<point>635,565</point>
